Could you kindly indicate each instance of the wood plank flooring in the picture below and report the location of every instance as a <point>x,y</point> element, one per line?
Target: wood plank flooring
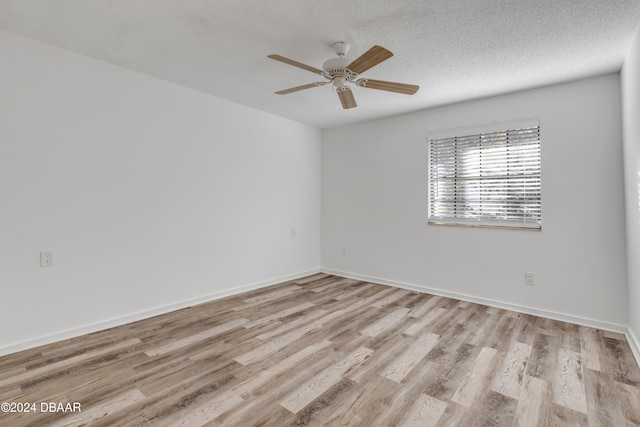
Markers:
<point>325,350</point>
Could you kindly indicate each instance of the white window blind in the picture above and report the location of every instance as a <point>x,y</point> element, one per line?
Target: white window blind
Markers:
<point>486,179</point>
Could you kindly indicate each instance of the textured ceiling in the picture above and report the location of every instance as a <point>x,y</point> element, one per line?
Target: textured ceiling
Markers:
<point>454,49</point>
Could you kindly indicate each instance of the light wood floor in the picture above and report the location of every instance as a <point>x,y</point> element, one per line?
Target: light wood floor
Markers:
<point>330,351</point>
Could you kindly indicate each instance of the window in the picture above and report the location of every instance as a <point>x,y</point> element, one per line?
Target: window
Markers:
<point>486,179</point>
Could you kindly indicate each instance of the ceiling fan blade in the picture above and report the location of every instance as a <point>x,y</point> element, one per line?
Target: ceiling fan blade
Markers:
<point>303,87</point>
<point>295,63</point>
<point>369,59</point>
<point>347,99</point>
<point>407,89</point>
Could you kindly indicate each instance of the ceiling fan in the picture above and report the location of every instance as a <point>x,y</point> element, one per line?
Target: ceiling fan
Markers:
<point>341,70</point>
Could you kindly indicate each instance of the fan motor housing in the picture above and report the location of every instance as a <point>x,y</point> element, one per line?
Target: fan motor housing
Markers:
<point>336,70</point>
<point>336,65</point>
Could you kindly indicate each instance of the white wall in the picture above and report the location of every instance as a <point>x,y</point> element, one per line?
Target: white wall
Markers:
<point>631,134</point>
<point>375,206</point>
<point>150,194</point>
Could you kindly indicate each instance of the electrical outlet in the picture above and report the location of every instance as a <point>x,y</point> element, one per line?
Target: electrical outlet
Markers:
<point>529,278</point>
<point>344,252</point>
<point>46,258</point>
<point>293,233</point>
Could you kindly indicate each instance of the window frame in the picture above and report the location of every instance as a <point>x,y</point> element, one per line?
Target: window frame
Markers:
<point>485,222</point>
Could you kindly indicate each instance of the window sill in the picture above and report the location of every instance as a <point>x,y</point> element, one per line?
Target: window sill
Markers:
<point>484,225</point>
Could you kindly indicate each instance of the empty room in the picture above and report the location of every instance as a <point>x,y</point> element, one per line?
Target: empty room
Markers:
<point>363,213</point>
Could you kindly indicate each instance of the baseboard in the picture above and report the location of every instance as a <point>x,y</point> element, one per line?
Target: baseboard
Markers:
<point>145,314</point>
<point>632,339</point>
<point>597,324</point>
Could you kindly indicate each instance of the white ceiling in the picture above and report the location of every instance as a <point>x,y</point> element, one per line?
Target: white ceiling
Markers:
<point>454,49</point>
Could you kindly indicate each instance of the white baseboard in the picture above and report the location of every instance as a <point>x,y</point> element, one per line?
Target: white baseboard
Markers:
<point>145,314</point>
<point>489,302</point>
<point>632,339</point>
